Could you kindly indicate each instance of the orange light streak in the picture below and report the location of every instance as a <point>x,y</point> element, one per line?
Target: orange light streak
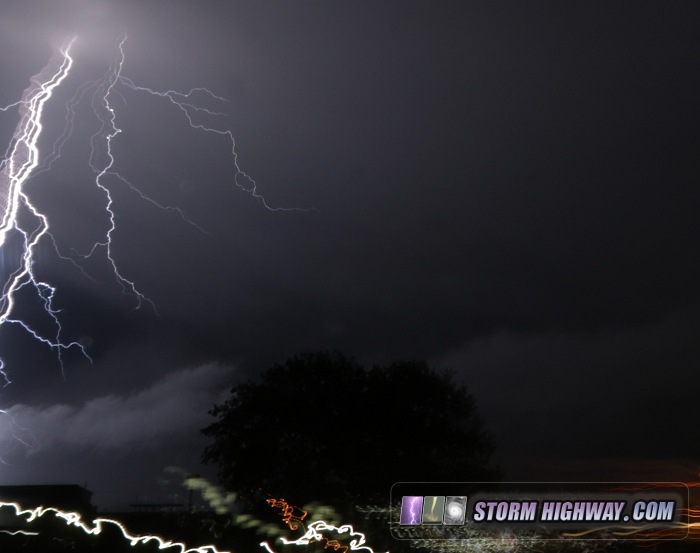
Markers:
<point>314,531</point>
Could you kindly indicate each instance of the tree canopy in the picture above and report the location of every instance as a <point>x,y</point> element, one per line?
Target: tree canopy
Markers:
<point>320,427</point>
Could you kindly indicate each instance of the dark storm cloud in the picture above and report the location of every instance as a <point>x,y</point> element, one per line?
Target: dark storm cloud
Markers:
<point>173,408</point>
<point>622,391</point>
<point>119,443</point>
<point>462,190</point>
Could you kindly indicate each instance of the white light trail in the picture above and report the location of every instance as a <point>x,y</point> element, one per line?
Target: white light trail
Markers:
<point>96,527</point>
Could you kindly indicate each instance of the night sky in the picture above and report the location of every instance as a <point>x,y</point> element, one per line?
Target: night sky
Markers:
<point>508,189</point>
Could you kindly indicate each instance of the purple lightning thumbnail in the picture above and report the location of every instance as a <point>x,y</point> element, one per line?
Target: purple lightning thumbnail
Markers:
<point>411,506</point>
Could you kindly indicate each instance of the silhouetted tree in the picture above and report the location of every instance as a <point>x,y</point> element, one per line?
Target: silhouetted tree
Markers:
<point>321,427</point>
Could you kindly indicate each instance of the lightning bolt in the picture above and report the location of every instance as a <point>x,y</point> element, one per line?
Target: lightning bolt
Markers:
<point>108,132</point>
<point>21,159</point>
<point>181,100</point>
<point>415,517</point>
<point>22,224</point>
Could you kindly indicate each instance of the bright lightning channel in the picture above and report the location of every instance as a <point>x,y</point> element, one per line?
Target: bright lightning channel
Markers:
<point>23,161</point>
<point>110,130</point>
<point>21,158</point>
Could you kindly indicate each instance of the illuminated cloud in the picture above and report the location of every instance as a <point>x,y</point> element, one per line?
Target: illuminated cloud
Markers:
<point>172,409</point>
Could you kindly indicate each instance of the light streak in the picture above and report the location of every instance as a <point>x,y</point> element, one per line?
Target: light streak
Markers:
<point>221,501</point>
<point>96,527</point>
<point>315,532</point>
<point>678,530</point>
<point>19,533</point>
<point>225,503</point>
